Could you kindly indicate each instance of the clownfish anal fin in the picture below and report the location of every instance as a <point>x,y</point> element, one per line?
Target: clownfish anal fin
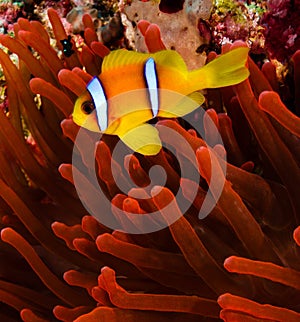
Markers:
<point>97,93</point>
<point>182,105</point>
<point>151,80</point>
<point>143,139</point>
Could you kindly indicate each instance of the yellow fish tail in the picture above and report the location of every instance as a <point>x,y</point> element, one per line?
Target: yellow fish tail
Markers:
<point>227,69</point>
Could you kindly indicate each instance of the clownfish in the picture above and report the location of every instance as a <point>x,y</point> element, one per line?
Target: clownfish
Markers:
<point>134,88</point>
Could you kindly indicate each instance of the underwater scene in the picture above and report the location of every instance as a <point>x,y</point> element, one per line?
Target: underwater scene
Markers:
<point>150,160</point>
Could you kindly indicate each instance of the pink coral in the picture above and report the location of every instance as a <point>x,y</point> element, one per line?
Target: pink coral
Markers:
<point>282,28</point>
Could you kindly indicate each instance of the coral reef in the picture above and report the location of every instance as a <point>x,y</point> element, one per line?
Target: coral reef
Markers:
<point>8,15</point>
<point>238,20</point>
<point>282,29</point>
<point>180,25</point>
<point>240,263</point>
<point>74,17</point>
<point>271,27</point>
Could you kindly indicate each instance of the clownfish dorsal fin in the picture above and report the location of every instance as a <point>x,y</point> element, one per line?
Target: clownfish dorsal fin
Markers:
<point>170,59</point>
<point>164,58</point>
<point>122,57</point>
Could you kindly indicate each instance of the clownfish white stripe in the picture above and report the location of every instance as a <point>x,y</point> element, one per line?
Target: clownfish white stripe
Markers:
<point>152,85</point>
<point>96,90</point>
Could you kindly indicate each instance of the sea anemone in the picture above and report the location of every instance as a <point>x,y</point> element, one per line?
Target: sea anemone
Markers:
<point>240,263</point>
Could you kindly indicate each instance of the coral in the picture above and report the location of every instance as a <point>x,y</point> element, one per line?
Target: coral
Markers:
<point>107,23</point>
<point>240,263</point>
<point>113,31</point>
<point>238,20</point>
<point>179,25</point>
<point>74,17</point>
<point>262,24</point>
<point>168,6</point>
<point>282,29</point>
<point>8,15</point>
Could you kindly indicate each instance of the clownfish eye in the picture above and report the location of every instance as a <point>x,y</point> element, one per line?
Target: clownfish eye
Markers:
<point>87,107</point>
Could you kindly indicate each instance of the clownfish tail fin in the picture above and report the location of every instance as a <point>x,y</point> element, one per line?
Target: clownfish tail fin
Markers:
<point>227,69</point>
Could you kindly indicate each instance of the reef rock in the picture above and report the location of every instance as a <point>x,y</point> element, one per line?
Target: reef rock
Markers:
<point>74,17</point>
<point>178,30</point>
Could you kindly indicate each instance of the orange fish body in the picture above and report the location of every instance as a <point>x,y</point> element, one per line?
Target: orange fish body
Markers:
<point>133,88</point>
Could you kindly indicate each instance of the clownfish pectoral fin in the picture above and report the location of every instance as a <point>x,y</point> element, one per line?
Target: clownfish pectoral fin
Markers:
<point>183,106</point>
<point>143,139</point>
<point>225,70</point>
